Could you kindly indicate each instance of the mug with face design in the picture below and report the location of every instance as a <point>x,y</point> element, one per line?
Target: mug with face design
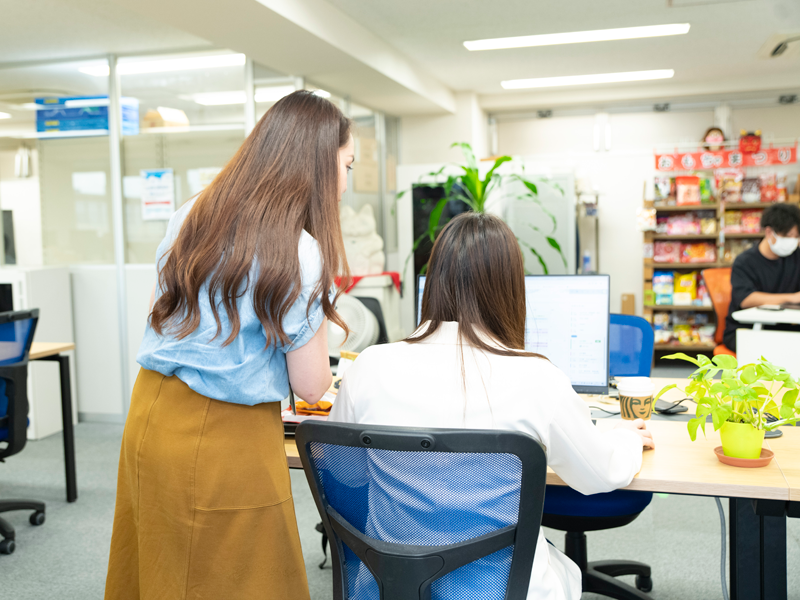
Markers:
<point>635,397</point>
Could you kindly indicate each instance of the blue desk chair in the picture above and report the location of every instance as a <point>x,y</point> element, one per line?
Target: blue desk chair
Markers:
<point>16,335</point>
<point>631,350</point>
<point>426,514</point>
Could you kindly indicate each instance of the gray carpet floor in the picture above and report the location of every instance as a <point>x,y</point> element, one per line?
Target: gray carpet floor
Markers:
<point>66,558</point>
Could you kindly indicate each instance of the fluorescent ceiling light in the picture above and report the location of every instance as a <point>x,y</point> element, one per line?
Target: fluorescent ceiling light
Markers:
<point>263,94</point>
<point>83,103</point>
<point>544,82</point>
<point>170,64</point>
<point>579,37</point>
<point>4,115</point>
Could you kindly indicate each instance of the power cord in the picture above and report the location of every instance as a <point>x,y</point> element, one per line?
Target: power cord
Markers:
<point>723,546</point>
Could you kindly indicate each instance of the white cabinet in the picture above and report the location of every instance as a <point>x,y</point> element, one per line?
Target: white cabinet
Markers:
<point>48,289</point>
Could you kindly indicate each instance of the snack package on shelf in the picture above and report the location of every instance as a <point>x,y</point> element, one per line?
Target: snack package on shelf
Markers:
<point>698,252</point>
<point>733,221</point>
<point>708,222</point>
<point>734,248</point>
<point>667,252</point>
<point>663,287</point>
<point>729,184</point>
<point>662,224</point>
<point>751,189</point>
<point>649,298</point>
<point>707,333</point>
<point>707,191</point>
<point>647,250</point>
<point>751,221</point>
<point>646,219</point>
<point>683,224</point>
<point>664,190</point>
<point>703,298</point>
<point>661,328</point>
<point>781,181</point>
<point>688,190</point>
<point>685,288</point>
<point>769,187</point>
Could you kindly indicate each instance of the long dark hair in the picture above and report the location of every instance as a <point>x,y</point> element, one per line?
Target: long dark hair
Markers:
<point>283,179</point>
<point>476,276</point>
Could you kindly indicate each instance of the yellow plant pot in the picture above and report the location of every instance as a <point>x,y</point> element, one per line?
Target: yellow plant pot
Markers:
<point>741,440</point>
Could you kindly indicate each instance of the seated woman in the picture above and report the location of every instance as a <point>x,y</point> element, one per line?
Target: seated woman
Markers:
<point>465,367</point>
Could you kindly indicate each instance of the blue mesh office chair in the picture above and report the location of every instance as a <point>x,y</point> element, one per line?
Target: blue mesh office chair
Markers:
<point>428,514</point>
<point>16,335</point>
<point>631,354</point>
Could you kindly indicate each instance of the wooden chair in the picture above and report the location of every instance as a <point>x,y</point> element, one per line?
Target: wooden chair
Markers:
<point>718,284</point>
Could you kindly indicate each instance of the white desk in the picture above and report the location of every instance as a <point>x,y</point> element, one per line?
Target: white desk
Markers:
<point>758,317</point>
<point>779,347</point>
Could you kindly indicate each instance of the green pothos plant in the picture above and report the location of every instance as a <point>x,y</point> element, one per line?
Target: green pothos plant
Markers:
<point>475,192</point>
<point>742,394</point>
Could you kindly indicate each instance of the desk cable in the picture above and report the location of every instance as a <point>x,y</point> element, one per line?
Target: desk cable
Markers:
<point>722,546</point>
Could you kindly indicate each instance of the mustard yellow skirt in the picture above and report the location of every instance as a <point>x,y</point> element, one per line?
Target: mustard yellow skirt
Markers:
<point>204,502</point>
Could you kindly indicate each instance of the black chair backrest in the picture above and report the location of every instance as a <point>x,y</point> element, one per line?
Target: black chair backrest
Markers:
<point>426,513</point>
<point>16,335</point>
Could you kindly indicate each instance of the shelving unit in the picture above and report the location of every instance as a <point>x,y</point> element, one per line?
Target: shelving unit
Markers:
<point>650,266</point>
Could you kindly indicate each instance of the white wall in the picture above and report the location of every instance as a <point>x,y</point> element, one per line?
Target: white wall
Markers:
<point>427,139</point>
<point>94,290</point>
<point>622,173</point>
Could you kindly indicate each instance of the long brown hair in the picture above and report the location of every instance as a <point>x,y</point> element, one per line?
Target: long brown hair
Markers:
<point>476,276</point>
<point>283,179</point>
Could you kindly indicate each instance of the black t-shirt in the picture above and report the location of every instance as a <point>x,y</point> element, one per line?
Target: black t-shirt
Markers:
<point>754,272</point>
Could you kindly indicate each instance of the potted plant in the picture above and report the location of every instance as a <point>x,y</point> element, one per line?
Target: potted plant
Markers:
<point>739,401</point>
<point>477,193</point>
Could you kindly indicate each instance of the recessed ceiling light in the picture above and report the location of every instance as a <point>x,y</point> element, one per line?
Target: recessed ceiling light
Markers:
<point>4,115</point>
<point>579,37</point>
<point>544,82</point>
<point>170,64</point>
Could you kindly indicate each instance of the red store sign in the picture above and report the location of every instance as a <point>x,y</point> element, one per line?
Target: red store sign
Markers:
<point>690,161</point>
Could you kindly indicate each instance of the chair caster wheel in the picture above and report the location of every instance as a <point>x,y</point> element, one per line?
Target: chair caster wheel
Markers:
<point>37,518</point>
<point>644,584</point>
<point>7,547</point>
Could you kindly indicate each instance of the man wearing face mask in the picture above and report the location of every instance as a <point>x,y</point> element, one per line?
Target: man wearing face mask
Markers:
<point>770,272</point>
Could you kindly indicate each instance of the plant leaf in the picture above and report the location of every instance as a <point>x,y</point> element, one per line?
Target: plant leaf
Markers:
<point>749,374</point>
<point>665,389</point>
<point>725,361</point>
<point>692,426</point>
<point>553,243</point>
<point>789,398</point>
<point>682,356</point>
<point>539,256</point>
<point>436,216</point>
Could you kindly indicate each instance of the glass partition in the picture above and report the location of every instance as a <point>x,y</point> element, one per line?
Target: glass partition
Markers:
<point>191,123</point>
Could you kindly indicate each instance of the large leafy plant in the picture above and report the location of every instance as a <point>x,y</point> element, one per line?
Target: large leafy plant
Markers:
<point>476,192</point>
<point>742,394</point>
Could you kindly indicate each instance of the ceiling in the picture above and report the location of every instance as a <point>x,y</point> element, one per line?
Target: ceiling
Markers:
<point>405,57</point>
<point>719,54</point>
<point>32,30</point>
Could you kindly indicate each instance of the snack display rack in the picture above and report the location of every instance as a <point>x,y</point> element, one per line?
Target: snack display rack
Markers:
<point>722,241</point>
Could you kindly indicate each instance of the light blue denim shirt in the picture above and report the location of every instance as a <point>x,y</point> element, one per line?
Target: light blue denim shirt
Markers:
<point>246,371</point>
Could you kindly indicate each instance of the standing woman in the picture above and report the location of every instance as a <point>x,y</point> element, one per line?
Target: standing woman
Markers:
<point>245,288</point>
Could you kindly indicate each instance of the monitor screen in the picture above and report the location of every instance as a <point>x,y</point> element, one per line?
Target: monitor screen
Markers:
<point>567,321</point>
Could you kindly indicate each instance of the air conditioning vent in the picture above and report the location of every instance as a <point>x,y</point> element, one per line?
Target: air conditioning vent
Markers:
<point>780,45</point>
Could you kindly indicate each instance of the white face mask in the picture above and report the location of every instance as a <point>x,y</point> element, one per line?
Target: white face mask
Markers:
<point>783,246</point>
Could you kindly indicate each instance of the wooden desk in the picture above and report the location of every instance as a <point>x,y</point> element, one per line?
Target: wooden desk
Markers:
<point>52,351</point>
<point>679,466</point>
<point>787,456</point>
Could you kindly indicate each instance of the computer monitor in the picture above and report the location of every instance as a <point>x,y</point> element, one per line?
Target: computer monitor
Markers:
<point>567,321</point>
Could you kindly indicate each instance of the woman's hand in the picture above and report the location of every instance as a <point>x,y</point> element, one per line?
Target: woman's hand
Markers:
<point>638,426</point>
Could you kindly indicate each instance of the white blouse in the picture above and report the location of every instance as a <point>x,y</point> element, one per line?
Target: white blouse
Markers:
<point>421,385</point>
